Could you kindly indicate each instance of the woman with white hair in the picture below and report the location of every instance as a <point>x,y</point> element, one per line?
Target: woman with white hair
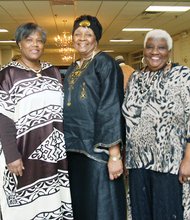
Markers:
<point>157,113</point>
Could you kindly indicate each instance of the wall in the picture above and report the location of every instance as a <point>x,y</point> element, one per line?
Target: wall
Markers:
<point>6,55</point>
<point>181,49</point>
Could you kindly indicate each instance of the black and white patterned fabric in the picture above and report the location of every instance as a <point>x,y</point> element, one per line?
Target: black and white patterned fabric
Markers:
<point>157,113</point>
<point>35,104</point>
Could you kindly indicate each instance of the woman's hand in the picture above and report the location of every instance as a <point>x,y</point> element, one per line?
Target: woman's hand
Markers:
<point>184,169</point>
<point>115,168</point>
<point>16,167</point>
<point>115,164</point>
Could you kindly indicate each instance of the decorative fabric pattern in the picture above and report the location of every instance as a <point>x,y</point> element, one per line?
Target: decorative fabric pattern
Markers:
<point>35,104</point>
<point>157,113</point>
<point>38,189</point>
<point>156,129</point>
<point>52,149</point>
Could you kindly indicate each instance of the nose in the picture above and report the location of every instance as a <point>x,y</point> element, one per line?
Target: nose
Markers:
<point>34,43</point>
<point>83,36</point>
<point>155,50</point>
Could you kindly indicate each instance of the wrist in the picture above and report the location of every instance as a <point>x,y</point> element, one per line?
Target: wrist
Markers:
<point>115,157</point>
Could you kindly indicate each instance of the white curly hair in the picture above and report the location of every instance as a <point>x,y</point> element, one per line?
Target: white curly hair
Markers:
<point>159,34</point>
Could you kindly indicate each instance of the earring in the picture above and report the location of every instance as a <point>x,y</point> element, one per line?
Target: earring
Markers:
<point>143,61</point>
<point>169,61</point>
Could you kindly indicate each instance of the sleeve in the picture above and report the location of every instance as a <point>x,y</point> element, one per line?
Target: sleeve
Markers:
<point>109,122</point>
<point>7,126</point>
<point>8,139</point>
<point>185,96</point>
<point>58,75</point>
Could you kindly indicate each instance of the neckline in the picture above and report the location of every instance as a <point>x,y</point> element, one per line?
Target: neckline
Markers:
<point>94,53</point>
<point>37,72</point>
<point>167,67</point>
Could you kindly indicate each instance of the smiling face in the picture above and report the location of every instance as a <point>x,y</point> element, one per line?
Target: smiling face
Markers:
<point>84,41</point>
<point>156,53</point>
<point>32,47</point>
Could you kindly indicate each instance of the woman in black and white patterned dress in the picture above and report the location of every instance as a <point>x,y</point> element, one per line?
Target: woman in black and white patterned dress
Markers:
<point>34,180</point>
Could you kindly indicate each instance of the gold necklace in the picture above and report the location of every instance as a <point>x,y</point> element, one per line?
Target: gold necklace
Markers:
<point>76,73</point>
<point>38,72</point>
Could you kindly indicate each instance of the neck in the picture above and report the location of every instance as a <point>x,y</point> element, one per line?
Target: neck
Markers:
<point>31,64</point>
<point>89,56</point>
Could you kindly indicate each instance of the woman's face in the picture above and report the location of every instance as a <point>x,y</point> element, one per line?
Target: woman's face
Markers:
<point>84,41</point>
<point>156,53</point>
<point>32,47</point>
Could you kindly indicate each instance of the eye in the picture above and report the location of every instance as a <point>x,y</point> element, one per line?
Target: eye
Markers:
<point>28,39</point>
<point>149,46</point>
<point>162,48</point>
<point>89,35</point>
<point>40,41</point>
<point>76,34</point>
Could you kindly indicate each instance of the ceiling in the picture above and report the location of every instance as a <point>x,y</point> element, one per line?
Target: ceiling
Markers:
<point>113,15</point>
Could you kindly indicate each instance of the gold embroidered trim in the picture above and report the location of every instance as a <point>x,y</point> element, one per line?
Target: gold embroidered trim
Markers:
<point>73,77</point>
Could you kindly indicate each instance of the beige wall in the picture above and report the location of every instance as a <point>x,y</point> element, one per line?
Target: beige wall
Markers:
<point>181,49</point>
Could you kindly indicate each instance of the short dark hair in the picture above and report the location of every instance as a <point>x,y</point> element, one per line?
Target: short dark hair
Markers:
<point>24,30</point>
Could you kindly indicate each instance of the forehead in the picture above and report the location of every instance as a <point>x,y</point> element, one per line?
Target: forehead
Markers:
<point>84,30</point>
<point>156,41</point>
<point>35,34</point>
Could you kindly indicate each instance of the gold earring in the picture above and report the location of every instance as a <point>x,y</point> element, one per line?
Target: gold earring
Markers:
<point>143,61</point>
<point>169,61</point>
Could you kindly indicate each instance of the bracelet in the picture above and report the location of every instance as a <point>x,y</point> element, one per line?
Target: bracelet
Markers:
<point>115,158</point>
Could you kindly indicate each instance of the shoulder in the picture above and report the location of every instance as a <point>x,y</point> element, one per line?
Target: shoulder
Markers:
<point>9,65</point>
<point>46,65</point>
<point>8,68</point>
<point>104,62</point>
<point>104,57</point>
<point>180,70</point>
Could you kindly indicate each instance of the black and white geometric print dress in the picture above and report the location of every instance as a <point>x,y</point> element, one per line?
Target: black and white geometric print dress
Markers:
<point>35,104</point>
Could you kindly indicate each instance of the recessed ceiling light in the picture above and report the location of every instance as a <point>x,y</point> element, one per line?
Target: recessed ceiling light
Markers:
<point>136,29</point>
<point>120,40</point>
<point>168,8</point>
<point>7,41</point>
<point>3,30</point>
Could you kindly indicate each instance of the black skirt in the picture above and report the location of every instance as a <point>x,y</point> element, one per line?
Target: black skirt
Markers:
<point>94,196</point>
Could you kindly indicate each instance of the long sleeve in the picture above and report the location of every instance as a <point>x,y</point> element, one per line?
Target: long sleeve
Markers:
<point>108,121</point>
<point>185,96</point>
<point>8,139</point>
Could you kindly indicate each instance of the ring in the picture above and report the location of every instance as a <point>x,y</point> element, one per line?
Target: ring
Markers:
<point>119,174</point>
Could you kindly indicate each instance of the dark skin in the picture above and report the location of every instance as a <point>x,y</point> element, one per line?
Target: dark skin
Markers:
<point>156,53</point>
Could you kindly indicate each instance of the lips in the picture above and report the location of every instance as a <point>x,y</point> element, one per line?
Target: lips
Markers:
<point>155,58</point>
<point>35,51</point>
<point>82,45</point>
